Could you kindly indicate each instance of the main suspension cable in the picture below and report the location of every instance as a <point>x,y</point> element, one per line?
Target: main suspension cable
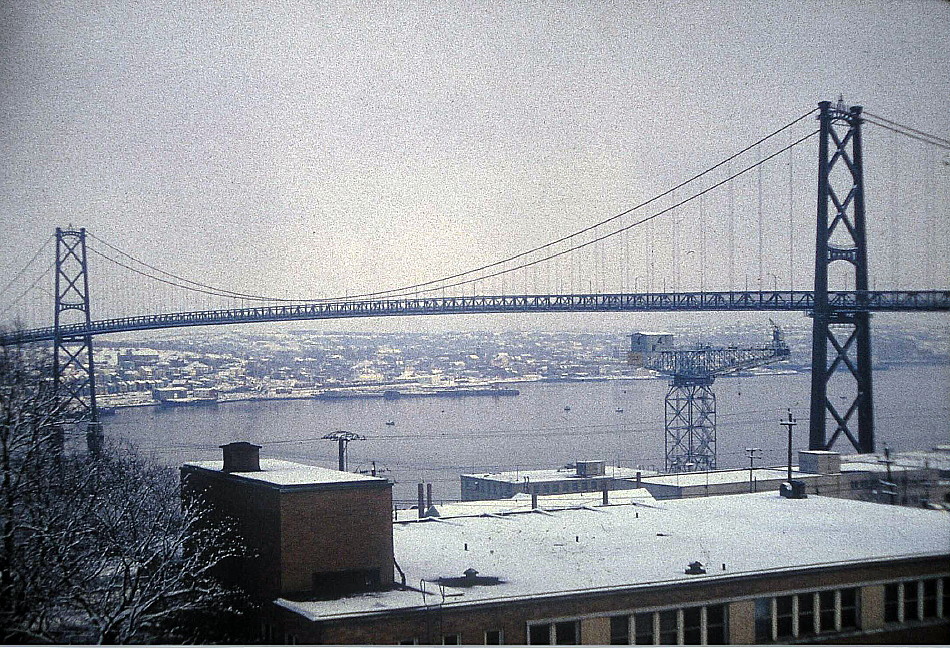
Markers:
<point>907,128</point>
<point>405,290</point>
<point>27,266</point>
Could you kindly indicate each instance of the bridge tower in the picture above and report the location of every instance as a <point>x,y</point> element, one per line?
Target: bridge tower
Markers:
<point>73,368</point>
<point>845,334</point>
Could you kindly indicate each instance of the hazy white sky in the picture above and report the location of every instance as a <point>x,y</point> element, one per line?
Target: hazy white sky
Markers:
<point>317,147</point>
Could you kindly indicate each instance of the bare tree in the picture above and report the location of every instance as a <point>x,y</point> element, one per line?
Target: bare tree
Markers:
<point>96,549</point>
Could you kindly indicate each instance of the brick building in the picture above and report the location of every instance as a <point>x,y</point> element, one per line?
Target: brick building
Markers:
<point>314,530</point>
<point>740,569</point>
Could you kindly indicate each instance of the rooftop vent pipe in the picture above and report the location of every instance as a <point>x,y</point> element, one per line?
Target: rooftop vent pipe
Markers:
<point>241,456</point>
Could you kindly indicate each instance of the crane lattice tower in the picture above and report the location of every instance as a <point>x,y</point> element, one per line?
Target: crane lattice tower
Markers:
<point>690,402</point>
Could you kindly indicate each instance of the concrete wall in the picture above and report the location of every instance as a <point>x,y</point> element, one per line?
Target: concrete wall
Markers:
<point>742,622</point>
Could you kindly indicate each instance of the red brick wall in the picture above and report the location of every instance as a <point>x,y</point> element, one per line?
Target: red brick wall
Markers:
<point>333,530</point>
<point>254,511</point>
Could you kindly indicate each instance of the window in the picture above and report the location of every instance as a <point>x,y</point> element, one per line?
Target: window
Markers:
<point>539,634</point>
<point>716,625</point>
<point>826,611</point>
<point>930,598</point>
<point>669,630</point>
<point>451,640</point>
<point>784,625</point>
<point>763,620</point>
<point>643,629</point>
<point>494,637</point>
<point>619,630</point>
<point>800,615</point>
<point>921,600</point>
<point>561,633</point>
<point>409,642</point>
<point>693,626</point>
<point>849,609</point>
<point>566,633</point>
<point>892,603</point>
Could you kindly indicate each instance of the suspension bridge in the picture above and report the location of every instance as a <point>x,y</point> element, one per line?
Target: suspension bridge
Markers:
<point>688,248</point>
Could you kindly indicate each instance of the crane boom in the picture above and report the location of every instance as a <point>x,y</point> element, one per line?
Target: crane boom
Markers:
<point>704,362</point>
<point>691,403</point>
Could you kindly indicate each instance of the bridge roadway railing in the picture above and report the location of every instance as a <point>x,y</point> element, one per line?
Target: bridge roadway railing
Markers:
<point>765,300</point>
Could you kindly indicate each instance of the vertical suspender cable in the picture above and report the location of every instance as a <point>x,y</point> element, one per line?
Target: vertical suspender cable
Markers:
<point>791,209</point>
<point>759,176</point>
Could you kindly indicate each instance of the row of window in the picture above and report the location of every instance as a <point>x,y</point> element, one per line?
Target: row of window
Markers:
<point>702,625</point>
<point>492,638</point>
<point>779,618</point>
<point>917,600</point>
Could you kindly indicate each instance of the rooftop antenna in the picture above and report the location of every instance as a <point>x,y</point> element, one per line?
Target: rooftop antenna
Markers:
<point>343,437</point>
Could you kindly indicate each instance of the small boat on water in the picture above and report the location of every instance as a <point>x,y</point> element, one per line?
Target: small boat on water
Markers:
<point>619,410</point>
<point>567,408</point>
<point>390,422</point>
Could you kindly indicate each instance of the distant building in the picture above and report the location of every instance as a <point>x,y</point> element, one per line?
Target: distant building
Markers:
<point>823,473</point>
<point>582,477</point>
<point>746,569</point>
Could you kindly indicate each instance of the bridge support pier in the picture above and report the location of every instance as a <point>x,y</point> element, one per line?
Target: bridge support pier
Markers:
<point>846,334</point>
<point>73,365</point>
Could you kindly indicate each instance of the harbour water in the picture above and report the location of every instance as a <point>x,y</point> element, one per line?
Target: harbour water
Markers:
<point>437,439</point>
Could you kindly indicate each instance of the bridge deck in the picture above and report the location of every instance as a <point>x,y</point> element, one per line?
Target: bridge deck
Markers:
<point>766,300</point>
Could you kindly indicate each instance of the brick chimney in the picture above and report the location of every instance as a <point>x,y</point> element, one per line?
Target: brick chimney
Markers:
<point>241,456</point>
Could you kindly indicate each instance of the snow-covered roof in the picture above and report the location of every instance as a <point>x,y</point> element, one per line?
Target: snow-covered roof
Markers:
<point>522,502</point>
<point>717,477</point>
<point>288,473</point>
<point>558,474</point>
<point>913,459</point>
<point>593,548</point>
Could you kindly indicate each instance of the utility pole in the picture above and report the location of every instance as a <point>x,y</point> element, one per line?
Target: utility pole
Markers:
<point>343,438</point>
<point>889,486</point>
<point>751,453</point>
<point>790,423</point>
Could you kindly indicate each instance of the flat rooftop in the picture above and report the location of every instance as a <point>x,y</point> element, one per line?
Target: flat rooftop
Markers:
<point>717,477</point>
<point>276,472</point>
<point>593,548</point>
<point>522,502</point>
<point>558,474</point>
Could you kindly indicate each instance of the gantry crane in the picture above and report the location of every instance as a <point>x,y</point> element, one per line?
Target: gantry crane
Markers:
<point>690,401</point>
